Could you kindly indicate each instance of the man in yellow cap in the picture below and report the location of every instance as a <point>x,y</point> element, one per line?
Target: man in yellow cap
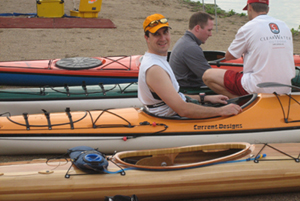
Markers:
<point>157,85</point>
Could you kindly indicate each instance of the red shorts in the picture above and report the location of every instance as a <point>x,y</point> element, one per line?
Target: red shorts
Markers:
<point>233,84</point>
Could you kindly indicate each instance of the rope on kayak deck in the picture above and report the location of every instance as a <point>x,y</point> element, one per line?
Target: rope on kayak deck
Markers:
<point>128,125</point>
<point>93,122</point>
<point>257,159</point>
<point>286,117</point>
<point>86,92</point>
<point>49,125</point>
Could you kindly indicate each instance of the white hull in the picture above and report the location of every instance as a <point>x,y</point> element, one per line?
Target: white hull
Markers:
<point>60,145</point>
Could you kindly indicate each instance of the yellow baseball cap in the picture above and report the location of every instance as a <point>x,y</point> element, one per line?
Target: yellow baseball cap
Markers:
<point>154,22</point>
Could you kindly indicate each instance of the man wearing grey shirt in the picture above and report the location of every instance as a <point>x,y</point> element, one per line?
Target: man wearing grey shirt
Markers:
<point>187,58</point>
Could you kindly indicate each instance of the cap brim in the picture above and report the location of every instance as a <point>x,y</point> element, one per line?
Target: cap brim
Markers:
<point>156,28</point>
<point>246,7</point>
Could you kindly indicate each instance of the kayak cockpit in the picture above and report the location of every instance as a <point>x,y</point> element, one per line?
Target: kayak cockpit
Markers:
<point>183,157</point>
<point>243,101</point>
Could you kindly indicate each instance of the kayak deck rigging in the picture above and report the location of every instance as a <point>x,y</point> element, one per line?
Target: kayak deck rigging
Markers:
<point>243,101</point>
<point>49,125</point>
<point>78,63</point>
<point>286,118</point>
<point>290,157</point>
<point>103,89</point>
<point>94,124</point>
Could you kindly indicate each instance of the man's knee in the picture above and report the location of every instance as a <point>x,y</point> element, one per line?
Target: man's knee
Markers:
<point>207,75</point>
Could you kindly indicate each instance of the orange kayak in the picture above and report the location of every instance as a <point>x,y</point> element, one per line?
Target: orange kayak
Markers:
<point>266,118</point>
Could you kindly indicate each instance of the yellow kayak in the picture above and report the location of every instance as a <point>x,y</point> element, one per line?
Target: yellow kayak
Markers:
<point>266,118</point>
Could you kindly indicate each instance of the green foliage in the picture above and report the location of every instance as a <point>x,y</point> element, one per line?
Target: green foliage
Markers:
<point>210,8</point>
<point>196,6</point>
<point>231,13</point>
<point>295,32</point>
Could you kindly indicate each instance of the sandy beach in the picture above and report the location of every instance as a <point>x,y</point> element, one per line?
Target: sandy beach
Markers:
<point>126,39</point>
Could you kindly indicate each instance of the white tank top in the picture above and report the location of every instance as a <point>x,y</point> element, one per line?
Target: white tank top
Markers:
<point>144,93</point>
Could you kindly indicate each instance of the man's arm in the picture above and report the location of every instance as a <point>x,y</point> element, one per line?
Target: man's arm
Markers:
<point>229,56</point>
<point>160,83</point>
<point>195,60</point>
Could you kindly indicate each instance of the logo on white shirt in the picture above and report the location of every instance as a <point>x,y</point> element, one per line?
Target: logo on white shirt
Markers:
<point>274,28</point>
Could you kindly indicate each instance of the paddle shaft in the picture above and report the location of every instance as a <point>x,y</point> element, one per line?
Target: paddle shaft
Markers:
<point>275,84</point>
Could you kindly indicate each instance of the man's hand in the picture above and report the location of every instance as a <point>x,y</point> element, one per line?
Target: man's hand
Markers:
<point>231,109</point>
<point>216,99</point>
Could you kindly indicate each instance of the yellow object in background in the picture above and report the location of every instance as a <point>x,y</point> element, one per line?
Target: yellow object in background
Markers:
<point>87,9</point>
<point>50,8</point>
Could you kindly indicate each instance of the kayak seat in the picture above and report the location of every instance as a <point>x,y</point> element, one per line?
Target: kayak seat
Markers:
<point>242,101</point>
<point>155,161</point>
<point>158,160</point>
<point>214,56</point>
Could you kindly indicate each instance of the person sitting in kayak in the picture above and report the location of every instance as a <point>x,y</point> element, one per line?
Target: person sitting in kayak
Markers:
<point>157,85</point>
<point>267,46</point>
<point>187,58</point>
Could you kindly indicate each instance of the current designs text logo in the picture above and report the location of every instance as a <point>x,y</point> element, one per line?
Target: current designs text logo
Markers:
<point>218,126</point>
<point>274,28</point>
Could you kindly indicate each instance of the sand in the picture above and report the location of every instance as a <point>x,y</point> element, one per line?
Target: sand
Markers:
<point>126,39</point>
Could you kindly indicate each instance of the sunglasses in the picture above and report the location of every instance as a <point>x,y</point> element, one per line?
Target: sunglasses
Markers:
<point>156,22</point>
